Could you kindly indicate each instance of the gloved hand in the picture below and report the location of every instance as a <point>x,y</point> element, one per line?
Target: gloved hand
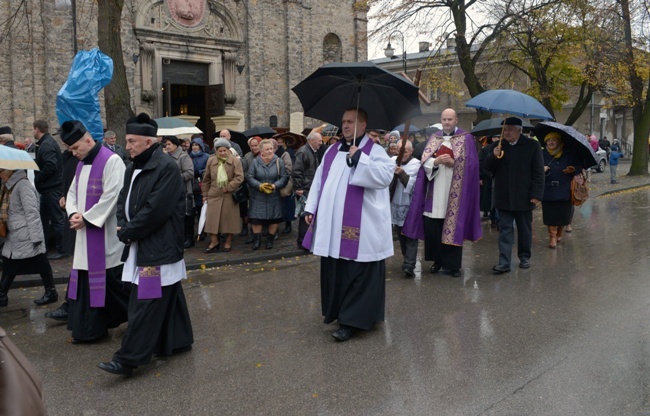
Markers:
<point>267,188</point>
<point>569,170</point>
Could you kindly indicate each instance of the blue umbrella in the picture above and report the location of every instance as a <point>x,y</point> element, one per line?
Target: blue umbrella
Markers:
<point>510,102</point>
<point>12,159</point>
<point>412,129</point>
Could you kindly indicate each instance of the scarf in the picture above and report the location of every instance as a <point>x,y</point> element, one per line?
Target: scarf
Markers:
<point>222,175</point>
<point>557,153</point>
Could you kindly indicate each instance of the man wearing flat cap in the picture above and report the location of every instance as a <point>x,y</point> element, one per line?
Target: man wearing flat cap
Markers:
<point>150,222</point>
<point>7,137</point>
<point>97,298</point>
<point>518,170</point>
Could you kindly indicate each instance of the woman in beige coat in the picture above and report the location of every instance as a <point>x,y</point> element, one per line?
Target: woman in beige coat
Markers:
<point>223,175</point>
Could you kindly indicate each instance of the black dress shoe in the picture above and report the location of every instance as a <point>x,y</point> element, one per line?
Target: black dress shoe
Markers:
<point>114,367</point>
<point>188,243</point>
<point>524,264</point>
<point>455,273</point>
<point>500,270</point>
<point>408,270</point>
<point>342,334</point>
<point>58,256</point>
<point>435,268</point>
<point>212,249</point>
<point>58,315</point>
<point>226,249</point>
<point>287,228</point>
<point>244,232</point>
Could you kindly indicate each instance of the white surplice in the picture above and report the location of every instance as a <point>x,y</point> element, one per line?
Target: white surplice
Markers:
<point>102,214</point>
<point>374,173</point>
<point>169,273</point>
<point>441,176</point>
<point>401,202</point>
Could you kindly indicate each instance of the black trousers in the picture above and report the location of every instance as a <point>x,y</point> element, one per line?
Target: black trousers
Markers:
<point>444,255</point>
<point>408,246</point>
<point>524,221</point>
<point>52,213</point>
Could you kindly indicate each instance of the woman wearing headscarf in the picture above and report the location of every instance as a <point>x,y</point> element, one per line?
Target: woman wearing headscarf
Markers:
<point>559,168</point>
<point>200,156</point>
<point>223,175</point>
<point>266,176</point>
<point>173,148</point>
<point>24,247</point>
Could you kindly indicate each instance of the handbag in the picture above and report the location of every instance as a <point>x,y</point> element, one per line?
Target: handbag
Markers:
<point>288,189</point>
<point>579,189</point>
<point>241,194</point>
<point>21,389</point>
<point>189,205</point>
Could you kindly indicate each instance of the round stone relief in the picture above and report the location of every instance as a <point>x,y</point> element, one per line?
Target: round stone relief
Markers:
<point>187,12</point>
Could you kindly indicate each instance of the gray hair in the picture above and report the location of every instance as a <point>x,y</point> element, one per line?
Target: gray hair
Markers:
<point>4,138</point>
<point>314,135</point>
<point>109,133</point>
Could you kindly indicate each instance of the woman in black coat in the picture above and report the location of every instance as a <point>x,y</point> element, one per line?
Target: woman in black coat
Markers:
<point>559,168</point>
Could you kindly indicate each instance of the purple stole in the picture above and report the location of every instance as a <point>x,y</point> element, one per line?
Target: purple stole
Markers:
<point>351,227</point>
<point>463,219</point>
<point>149,282</point>
<point>96,243</point>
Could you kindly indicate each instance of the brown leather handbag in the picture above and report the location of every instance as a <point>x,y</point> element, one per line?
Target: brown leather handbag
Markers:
<point>21,390</point>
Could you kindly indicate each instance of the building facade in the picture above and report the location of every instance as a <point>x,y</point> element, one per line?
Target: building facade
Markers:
<point>219,63</point>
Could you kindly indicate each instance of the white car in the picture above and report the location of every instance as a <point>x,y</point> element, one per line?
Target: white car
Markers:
<point>601,158</point>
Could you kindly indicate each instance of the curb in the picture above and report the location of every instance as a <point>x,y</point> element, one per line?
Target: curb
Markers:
<point>61,280</point>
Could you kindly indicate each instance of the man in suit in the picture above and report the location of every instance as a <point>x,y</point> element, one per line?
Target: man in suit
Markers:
<point>110,141</point>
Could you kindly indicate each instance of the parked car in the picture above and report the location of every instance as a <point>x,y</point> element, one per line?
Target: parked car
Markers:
<point>601,158</point>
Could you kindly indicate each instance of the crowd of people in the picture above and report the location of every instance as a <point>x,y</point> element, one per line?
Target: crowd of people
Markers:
<point>127,214</point>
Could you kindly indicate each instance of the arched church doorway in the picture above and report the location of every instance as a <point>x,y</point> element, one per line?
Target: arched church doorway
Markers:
<point>187,93</point>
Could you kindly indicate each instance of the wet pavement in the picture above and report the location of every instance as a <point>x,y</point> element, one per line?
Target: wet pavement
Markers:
<point>569,336</point>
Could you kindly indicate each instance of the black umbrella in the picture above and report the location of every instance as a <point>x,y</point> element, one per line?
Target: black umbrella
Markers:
<point>387,98</point>
<point>263,132</point>
<point>493,127</point>
<point>239,138</point>
<point>573,141</point>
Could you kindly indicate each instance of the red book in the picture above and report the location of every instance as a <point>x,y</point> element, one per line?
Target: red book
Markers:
<point>444,150</point>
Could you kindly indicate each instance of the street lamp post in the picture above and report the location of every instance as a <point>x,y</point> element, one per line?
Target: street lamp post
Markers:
<point>389,51</point>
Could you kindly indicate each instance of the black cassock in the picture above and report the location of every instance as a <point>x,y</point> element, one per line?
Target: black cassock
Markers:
<point>88,323</point>
<point>354,293</point>
<point>159,327</point>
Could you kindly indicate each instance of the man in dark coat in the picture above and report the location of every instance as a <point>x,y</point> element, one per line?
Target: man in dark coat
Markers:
<point>518,187</point>
<point>150,213</point>
<point>48,181</point>
<point>304,170</point>
<point>110,141</point>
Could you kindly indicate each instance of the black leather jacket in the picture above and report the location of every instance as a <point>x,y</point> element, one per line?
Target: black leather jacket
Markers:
<point>49,159</point>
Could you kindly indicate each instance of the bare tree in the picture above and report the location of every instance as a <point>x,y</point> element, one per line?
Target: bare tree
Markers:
<point>117,97</point>
<point>456,18</point>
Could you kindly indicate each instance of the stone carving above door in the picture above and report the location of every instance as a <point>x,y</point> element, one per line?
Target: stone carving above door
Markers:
<point>191,18</point>
<point>187,12</point>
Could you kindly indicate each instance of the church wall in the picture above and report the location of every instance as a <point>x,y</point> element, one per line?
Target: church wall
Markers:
<point>284,44</point>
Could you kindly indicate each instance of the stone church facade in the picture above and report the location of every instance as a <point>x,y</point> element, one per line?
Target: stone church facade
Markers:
<point>220,63</point>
